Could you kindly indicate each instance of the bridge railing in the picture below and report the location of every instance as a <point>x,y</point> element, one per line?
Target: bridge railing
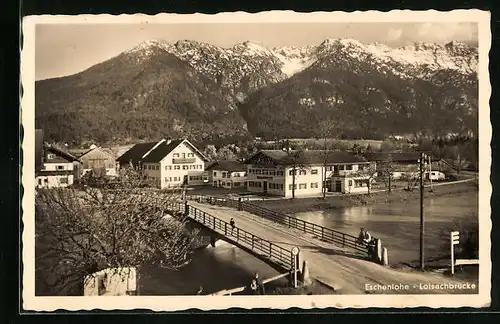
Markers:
<point>275,253</point>
<point>323,233</point>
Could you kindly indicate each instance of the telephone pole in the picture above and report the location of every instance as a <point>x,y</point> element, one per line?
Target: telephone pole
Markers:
<point>421,161</point>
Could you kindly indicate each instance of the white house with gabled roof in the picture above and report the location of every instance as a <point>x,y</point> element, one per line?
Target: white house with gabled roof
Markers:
<point>271,172</point>
<point>174,163</point>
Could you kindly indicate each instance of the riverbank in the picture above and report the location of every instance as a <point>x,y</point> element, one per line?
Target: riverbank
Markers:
<point>299,205</point>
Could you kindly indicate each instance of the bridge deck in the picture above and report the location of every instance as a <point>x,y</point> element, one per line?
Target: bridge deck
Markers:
<point>347,273</point>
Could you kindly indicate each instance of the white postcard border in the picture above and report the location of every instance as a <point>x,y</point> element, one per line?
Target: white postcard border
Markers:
<point>172,303</point>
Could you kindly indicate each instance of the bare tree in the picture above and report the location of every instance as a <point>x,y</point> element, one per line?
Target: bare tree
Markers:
<point>80,232</point>
<point>297,161</point>
<point>412,179</point>
<point>369,173</point>
<point>326,129</point>
<point>386,168</point>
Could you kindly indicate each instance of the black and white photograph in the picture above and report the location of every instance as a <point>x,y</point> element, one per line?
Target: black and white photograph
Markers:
<point>266,160</point>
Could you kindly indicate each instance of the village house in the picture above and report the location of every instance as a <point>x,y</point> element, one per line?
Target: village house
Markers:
<point>133,157</point>
<point>403,163</point>
<point>228,174</point>
<point>56,168</point>
<point>174,163</point>
<point>98,160</point>
<point>271,172</point>
<point>53,166</point>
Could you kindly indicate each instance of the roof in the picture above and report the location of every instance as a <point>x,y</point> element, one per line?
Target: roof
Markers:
<point>227,165</point>
<point>60,153</point>
<point>102,149</point>
<point>161,151</point>
<point>394,156</point>
<point>279,157</point>
<point>136,152</point>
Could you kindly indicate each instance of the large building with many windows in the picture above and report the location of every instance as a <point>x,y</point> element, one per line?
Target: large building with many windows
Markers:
<point>228,174</point>
<point>169,163</point>
<point>272,172</point>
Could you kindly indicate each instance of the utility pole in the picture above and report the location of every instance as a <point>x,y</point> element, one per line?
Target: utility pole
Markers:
<point>430,172</point>
<point>421,161</point>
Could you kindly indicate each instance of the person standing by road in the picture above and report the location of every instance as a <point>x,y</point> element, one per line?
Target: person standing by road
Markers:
<point>260,285</point>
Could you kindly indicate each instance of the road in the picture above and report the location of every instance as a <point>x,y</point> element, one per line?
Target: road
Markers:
<point>348,274</point>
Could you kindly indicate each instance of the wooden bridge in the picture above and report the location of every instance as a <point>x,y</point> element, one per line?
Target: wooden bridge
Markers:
<point>333,258</point>
<point>283,259</point>
<point>325,234</point>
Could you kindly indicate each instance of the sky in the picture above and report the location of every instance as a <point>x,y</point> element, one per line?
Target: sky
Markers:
<point>65,49</point>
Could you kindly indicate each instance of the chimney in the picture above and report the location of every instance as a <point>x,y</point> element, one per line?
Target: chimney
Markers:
<point>169,141</point>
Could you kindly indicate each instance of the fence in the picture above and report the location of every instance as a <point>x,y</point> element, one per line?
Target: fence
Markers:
<point>324,233</point>
<point>275,253</point>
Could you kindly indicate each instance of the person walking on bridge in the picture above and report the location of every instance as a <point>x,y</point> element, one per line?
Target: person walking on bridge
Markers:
<point>233,224</point>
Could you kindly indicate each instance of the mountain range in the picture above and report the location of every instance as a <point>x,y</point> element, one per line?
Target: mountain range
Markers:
<point>194,89</point>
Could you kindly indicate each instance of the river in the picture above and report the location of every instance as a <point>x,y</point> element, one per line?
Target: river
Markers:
<point>396,224</point>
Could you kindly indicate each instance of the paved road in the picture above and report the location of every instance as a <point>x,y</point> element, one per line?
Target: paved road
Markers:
<point>328,263</point>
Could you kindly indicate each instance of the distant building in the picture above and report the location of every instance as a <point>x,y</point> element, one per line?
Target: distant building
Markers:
<point>135,155</point>
<point>228,174</point>
<point>56,168</point>
<point>271,172</point>
<point>173,163</point>
<point>98,159</point>
<point>402,162</point>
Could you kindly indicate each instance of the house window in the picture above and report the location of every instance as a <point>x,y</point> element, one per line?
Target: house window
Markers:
<point>290,172</point>
<point>348,167</point>
<point>46,180</point>
<point>190,154</point>
<point>215,173</point>
<point>342,167</point>
<point>176,155</point>
<point>63,180</point>
<point>168,167</point>
<point>177,167</point>
<point>314,185</point>
<point>223,174</point>
<point>303,186</point>
<point>302,172</point>
<point>40,182</point>
<point>359,183</point>
<point>350,183</point>
<point>60,167</point>
<point>329,168</point>
<point>157,167</point>
<point>185,167</point>
<point>290,187</point>
<point>314,171</point>
<point>236,175</point>
<point>280,173</point>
